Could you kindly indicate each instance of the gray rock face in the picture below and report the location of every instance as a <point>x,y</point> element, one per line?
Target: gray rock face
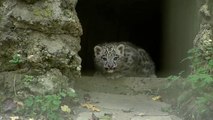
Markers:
<point>37,36</point>
<point>45,34</point>
<point>203,40</point>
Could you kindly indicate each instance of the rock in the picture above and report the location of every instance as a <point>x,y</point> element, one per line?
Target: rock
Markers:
<point>45,34</point>
<point>8,105</point>
<point>30,1</point>
<point>51,82</point>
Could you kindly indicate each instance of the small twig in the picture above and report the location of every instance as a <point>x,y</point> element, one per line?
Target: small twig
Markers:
<point>94,117</point>
<point>143,114</point>
<point>14,84</point>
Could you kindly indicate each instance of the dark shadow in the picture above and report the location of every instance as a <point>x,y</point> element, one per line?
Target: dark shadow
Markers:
<point>136,21</point>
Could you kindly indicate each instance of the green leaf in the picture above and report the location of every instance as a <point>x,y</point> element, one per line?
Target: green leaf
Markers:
<point>29,102</point>
<point>56,102</point>
<point>210,63</point>
<point>62,94</point>
<point>43,108</point>
<point>193,78</point>
<point>16,59</point>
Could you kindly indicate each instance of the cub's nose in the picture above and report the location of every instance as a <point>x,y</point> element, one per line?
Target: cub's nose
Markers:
<point>110,67</point>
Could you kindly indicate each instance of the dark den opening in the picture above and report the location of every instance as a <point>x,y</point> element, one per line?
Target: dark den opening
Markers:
<point>135,21</point>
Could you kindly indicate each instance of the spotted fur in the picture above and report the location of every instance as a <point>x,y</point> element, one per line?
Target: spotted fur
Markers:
<point>123,59</point>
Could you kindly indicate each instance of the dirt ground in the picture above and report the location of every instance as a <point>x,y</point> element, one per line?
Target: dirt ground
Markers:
<point>132,98</point>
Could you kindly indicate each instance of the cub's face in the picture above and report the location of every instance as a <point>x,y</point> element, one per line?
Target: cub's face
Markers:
<point>108,56</point>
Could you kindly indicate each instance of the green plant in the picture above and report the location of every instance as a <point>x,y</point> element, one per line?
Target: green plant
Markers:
<point>28,79</point>
<point>16,59</point>
<point>199,82</point>
<point>201,76</point>
<point>173,78</point>
<point>43,105</point>
<point>46,105</point>
<point>70,92</point>
<point>202,66</point>
<point>204,101</point>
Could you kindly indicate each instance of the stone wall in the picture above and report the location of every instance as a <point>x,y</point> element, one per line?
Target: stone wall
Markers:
<point>204,38</point>
<point>45,34</point>
<point>39,38</point>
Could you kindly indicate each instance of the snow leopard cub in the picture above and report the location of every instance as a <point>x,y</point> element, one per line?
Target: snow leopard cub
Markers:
<point>118,59</point>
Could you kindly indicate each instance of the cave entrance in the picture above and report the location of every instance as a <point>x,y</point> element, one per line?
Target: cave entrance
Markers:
<point>149,24</point>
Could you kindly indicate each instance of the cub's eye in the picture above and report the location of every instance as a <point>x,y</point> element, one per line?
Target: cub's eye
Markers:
<point>116,57</point>
<point>104,58</point>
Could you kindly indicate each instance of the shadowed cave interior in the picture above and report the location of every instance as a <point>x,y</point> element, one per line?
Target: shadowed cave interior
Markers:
<point>141,22</point>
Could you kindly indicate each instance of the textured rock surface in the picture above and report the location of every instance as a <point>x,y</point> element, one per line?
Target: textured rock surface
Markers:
<point>40,38</point>
<point>123,99</point>
<point>204,39</point>
<point>22,85</point>
<point>45,34</point>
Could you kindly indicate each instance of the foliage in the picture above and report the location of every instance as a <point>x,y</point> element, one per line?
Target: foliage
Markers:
<point>47,105</point>
<point>17,59</point>
<point>172,79</point>
<point>203,102</point>
<point>43,105</point>
<point>201,76</point>
<point>28,79</point>
<point>70,93</point>
<point>202,66</point>
<point>200,80</point>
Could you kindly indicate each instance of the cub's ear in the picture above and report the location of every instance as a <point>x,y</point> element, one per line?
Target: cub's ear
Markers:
<point>97,50</point>
<point>120,49</point>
